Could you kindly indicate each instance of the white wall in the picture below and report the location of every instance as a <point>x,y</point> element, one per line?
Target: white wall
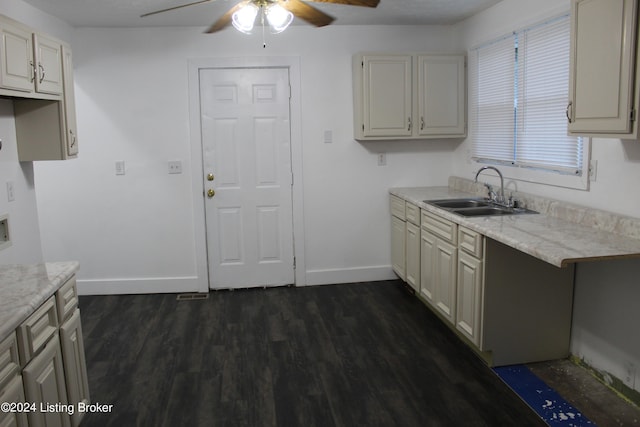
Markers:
<point>135,233</point>
<point>604,332</point>
<point>24,230</point>
<point>23,215</point>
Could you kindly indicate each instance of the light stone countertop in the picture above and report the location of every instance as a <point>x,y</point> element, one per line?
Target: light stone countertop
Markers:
<point>24,288</point>
<point>547,237</point>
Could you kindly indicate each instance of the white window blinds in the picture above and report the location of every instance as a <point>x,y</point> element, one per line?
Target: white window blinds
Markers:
<point>519,95</point>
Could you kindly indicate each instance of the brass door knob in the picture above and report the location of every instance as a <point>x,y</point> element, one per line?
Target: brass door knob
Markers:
<point>210,177</point>
<point>211,193</point>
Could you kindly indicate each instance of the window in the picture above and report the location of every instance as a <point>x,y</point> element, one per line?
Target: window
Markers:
<point>519,87</point>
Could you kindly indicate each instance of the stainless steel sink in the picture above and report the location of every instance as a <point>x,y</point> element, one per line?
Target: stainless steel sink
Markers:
<point>477,207</point>
<point>484,211</point>
<point>459,203</point>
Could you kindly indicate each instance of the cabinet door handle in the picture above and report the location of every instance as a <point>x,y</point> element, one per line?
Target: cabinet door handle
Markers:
<point>569,114</point>
<point>34,71</point>
<point>73,138</point>
<point>42,70</point>
<point>409,124</point>
<point>421,123</point>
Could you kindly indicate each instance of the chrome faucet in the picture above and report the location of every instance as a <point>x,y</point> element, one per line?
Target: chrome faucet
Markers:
<point>500,199</point>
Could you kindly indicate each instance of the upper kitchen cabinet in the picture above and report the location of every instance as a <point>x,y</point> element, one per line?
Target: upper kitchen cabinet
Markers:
<point>441,93</point>
<point>409,96</point>
<point>37,72</point>
<point>603,94</point>
<point>30,63</point>
<point>48,60</point>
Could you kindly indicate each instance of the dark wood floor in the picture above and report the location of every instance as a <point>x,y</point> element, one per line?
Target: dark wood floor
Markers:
<point>366,354</point>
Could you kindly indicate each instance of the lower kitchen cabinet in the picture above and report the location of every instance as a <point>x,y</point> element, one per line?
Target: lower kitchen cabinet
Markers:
<point>44,384</point>
<point>412,252</point>
<point>438,273</point>
<point>508,306</point>
<point>13,393</point>
<point>445,279</point>
<point>427,257</point>
<point>43,364</point>
<point>398,246</point>
<point>398,236</point>
<point>74,364</point>
<point>469,297</point>
<point>413,256</point>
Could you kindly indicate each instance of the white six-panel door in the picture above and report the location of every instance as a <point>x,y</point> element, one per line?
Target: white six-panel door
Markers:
<point>247,178</point>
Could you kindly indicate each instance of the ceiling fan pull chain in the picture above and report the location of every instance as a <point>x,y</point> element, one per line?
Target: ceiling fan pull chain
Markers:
<point>264,42</point>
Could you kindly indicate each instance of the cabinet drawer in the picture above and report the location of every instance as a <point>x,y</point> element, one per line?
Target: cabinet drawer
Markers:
<point>470,241</point>
<point>412,213</point>
<point>67,299</point>
<point>441,227</point>
<point>34,332</point>
<point>9,361</point>
<point>397,207</point>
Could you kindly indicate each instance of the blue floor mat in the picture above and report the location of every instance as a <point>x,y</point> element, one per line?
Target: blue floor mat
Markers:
<point>547,403</point>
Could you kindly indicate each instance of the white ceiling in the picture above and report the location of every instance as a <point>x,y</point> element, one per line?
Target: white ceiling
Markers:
<point>126,13</point>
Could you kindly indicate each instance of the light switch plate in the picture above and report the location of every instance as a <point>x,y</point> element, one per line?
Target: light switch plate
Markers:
<point>11,195</point>
<point>328,137</point>
<point>120,167</point>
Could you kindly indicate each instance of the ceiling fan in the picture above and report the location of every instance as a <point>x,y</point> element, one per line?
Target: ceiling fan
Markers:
<point>278,13</point>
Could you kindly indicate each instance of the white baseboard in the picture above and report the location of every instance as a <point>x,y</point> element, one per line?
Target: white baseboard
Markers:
<point>150,285</point>
<point>159,285</point>
<point>349,275</point>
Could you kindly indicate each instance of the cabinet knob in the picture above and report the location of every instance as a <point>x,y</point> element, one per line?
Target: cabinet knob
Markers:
<point>210,177</point>
<point>211,193</point>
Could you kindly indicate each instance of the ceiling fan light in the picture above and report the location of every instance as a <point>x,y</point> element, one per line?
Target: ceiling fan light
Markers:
<point>278,17</point>
<point>244,18</point>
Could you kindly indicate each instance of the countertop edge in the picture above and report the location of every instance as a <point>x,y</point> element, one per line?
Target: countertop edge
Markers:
<point>555,252</point>
<point>24,288</point>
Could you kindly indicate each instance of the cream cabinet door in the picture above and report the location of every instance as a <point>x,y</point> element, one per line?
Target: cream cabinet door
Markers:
<point>441,95</point>
<point>44,383</point>
<point>398,246</point>
<point>469,299</point>
<point>445,266</point>
<point>13,393</point>
<point>75,366</point>
<point>16,58</point>
<point>48,62</point>
<point>427,271</point>
<point>69,102</point>
<point>603,57</point>
<point>387,96</point>
<point>412,270</point>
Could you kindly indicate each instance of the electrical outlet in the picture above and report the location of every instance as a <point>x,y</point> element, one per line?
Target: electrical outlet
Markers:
<point>175,166</point>
<point>11,196</point>
<point>382,159</point>
<point>120,167</point>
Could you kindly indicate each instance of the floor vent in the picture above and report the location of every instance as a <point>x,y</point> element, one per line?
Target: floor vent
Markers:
<point>192,296</point>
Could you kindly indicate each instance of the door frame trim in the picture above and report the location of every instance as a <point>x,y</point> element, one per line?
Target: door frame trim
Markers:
<point>199,222</point>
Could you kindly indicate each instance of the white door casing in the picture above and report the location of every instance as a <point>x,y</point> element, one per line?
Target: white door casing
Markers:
<point>246,146</point>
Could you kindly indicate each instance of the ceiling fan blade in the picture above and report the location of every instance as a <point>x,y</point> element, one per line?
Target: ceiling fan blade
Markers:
<point>307,13</point>
<point>176,7</point>
<point>365,3</point>
<point>225,20</point>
